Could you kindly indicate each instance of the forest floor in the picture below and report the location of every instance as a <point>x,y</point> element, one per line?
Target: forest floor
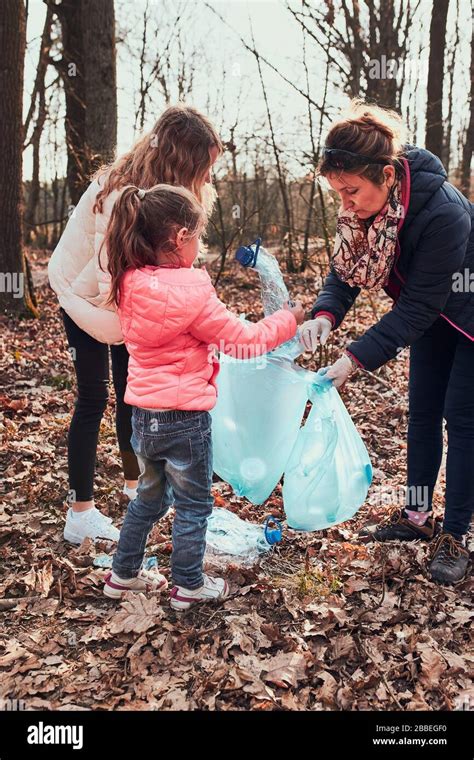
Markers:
<point>322,622</point>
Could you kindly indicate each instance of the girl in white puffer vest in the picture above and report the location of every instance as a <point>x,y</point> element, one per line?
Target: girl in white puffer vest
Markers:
<point>180,150</point>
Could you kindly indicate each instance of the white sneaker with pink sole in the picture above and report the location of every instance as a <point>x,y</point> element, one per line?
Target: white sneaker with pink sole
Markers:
<point>212,590</point>
<point>145,582</point>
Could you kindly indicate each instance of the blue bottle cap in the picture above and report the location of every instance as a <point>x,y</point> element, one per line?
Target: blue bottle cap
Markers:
<point>246,255</point>
<point>272,535</point>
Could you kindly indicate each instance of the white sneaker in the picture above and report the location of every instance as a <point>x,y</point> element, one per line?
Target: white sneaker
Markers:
<point>90,524</point>
<point>213,589</point>
<point>144,582</point>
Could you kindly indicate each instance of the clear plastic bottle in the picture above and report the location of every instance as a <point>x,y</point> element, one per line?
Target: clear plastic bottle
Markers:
<point>274,290</point>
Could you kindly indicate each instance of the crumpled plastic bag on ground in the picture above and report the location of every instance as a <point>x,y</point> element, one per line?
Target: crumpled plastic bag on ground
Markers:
<point>231,539</point>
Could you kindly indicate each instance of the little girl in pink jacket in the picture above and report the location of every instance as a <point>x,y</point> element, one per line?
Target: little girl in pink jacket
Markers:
<point>172,322</point>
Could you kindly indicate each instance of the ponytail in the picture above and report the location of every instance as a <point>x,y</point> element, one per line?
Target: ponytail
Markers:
<point>142,229</point>
<point>125,244</point>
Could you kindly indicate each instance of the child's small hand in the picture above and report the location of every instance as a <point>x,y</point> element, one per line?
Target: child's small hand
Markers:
<point>296,308</point>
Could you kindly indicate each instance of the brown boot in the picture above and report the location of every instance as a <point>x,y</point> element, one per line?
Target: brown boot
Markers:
<point>397,527</point>
<point>449,560</point>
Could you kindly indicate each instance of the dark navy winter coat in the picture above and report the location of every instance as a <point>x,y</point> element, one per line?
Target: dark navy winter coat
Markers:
<point>436,241</point>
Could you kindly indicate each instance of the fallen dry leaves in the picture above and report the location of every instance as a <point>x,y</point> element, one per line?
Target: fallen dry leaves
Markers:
<point>322,623</point>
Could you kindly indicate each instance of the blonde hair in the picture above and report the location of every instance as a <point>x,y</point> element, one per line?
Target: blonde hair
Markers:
<point>175,152</point>
<point>143,226</point>
<point>372,131</point>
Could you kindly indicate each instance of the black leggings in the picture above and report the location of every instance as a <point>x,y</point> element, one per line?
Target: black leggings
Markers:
<point>91,364</point>
<point>442,386</point>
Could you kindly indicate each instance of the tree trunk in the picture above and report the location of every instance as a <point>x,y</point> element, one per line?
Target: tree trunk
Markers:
<point>469,141</point>
<point>434,108</point>
<point>451,70</point>
<point>14,288</point>
<point>101,81</point>
<point>38,91</point>
<point>384,48</point>
<point>88,69</point>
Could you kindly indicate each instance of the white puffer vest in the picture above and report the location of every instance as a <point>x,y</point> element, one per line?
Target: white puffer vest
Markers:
<point>81,283</point>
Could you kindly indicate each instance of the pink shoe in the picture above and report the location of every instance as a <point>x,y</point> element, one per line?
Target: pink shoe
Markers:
<point>213,589</point>
<point>146,581</point>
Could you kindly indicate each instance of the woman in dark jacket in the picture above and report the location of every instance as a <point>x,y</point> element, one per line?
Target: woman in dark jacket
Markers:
<point>404,228</point>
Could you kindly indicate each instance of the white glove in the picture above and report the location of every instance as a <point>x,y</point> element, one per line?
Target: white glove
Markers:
<point>314,331</point>
<point>340,371</point>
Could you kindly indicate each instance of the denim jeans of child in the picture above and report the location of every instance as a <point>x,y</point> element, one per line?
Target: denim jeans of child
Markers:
<point>174,452</point>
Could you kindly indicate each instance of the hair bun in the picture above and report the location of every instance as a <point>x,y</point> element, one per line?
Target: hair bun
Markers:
<point>384,128</point>
<point>368,116</point>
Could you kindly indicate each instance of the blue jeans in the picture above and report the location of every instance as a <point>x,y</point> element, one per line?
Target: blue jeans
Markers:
<point>174,452</point>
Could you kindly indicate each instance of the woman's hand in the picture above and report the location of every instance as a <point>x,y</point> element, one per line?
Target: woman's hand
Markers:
<point>340,371</point>
<point>296,308</point>
<point>315,331</point>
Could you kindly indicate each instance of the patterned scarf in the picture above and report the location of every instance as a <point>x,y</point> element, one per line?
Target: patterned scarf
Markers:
<point>363,256</point>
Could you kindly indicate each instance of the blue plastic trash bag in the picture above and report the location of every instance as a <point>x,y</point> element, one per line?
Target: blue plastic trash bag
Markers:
<point>256,426</point>
<point>328,474</point>
<point>273,289</point>
<point>255,422</point>
<point>261,401</point>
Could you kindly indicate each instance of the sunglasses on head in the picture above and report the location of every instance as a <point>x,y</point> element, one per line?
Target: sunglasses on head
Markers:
<point>345,159</point>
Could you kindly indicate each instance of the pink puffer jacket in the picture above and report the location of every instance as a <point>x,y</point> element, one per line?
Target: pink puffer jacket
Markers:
<point>173,323</point>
